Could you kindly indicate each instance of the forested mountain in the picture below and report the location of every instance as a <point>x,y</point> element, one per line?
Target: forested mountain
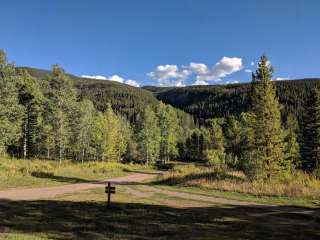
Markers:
<point>124,99</point>
<point>205,102</point>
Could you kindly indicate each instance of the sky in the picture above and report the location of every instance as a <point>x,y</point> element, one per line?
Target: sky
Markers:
<point>164,42</point>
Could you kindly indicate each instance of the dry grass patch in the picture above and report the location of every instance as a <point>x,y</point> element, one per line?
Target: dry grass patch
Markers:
<point>299,185</point>
<point>35,173</point>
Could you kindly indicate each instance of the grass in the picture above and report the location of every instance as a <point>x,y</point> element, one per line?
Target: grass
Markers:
<point>85,216</point>
<point>300,190</point>
<point>38,173</point>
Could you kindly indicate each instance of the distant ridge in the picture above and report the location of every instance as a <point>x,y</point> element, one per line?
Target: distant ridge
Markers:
<point>203,102</point>
<point>211,101</point>
<point>124,98</point>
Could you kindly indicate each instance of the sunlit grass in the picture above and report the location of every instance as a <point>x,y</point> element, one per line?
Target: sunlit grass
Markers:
<point>299,185</point>
<point>35,173</point>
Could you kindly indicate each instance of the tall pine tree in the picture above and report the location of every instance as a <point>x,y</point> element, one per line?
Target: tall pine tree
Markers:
<point>310,129</point>
<point>266,156</point>
<point>291,139</point>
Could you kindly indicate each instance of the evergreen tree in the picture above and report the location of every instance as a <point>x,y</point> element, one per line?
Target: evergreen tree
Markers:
<point>310,129</point>
<point>149,136</point>
<point>246,120</point>
<point>267,153</point>
<point>291,139</point>
<point>11,112</point>
<point>233,135</point>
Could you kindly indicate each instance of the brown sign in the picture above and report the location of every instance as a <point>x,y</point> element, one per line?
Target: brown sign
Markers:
<point>110,190</point>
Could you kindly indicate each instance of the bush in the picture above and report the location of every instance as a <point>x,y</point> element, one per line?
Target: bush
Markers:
<point>215,158</point>
<point>220,159</point>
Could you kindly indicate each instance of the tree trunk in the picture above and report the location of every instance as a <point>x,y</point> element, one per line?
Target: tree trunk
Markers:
<point>82,159</point>
<point>60,151</point>
<point>25,141</point>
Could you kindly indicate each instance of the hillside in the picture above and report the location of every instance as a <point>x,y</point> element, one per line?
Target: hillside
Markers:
<point>202,102</point>
<point>125,99</point>
<point>205,102</point>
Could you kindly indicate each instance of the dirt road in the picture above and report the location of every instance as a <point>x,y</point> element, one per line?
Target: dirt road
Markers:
<point>48,192</point>
<point>137,190</point>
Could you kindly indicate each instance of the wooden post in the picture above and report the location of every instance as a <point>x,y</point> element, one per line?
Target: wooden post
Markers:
<point>109,193</point>
<point>109,190</point>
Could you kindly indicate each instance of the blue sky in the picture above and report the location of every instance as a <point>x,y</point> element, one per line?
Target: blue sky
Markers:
<point>167,42</point>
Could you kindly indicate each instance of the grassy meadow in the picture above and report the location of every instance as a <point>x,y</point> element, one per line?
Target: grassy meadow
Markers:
<point>39,173</point>
<point>300,189</point>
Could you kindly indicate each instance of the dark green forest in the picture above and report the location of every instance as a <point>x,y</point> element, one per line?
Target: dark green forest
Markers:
<point>205,102</point>
<point>124,99</point>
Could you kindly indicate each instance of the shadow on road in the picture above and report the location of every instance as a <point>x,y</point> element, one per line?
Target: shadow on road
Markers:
<point>60,178</point>
<point>93,220</point>
<point>144,172</point>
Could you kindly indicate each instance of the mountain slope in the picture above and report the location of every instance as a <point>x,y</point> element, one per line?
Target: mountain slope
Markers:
<point>124,99</point>
<point>205,102</point>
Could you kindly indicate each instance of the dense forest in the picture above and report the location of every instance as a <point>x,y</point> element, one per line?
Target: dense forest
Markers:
<point>266,129</point>
<point>205,102</point>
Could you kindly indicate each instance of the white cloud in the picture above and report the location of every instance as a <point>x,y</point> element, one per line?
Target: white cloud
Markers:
<point>99,77</point>
<point>172,75</point>
<point>232,82</point>
<point>115,78</point>
<point>280,79</point>
<point>198,68</point>
<point>200,82</point>
<point>221,69</point>
<point>132,83</point>
<point>165,72</point>
<point>248,70</point>
<point>252,63</point>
